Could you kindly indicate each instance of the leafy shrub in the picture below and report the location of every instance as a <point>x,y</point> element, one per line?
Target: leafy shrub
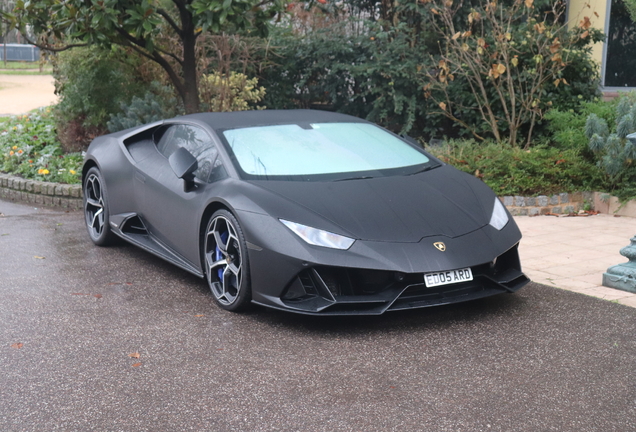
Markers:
<point>92,83</point>
<point>512,171</point>
<point>566,127</point>
<point>615,152</point>
<point>29,148</point>
<point>375,74</point>
<point>157,104</point>
<point>502,66</point>
<point>234,93</point>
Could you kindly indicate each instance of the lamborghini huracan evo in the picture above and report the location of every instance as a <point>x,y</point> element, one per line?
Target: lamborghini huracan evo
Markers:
<point>307,211</point>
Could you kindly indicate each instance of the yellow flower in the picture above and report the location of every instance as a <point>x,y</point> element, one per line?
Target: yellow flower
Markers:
<point>72,172</point>
<point>14,147</point>
<point>11,153</point>
<point>43,171</point>
<point>20,151</point>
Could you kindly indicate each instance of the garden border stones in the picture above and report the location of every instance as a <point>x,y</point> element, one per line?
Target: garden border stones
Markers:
<point>70,196</point>
<point>40,193</point>
<point>563,203</point>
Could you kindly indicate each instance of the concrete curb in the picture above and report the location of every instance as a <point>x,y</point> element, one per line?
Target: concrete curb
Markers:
<point>41,193</point>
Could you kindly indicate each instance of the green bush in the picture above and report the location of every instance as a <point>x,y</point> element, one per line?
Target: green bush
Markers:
<point>377,74</point>
<point>29,148</point>
<point>92,84</point>
<point>513,171</point>
<point>157,104</point>
<point>615,152</point>
<point>565,128</point>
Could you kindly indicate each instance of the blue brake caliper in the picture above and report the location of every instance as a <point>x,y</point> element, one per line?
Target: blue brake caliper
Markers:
<point>219,255</point>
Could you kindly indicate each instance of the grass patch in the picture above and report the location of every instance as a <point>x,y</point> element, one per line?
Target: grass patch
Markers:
<point>24,72</point>
<point>24,68</point>
<point>17,65</point>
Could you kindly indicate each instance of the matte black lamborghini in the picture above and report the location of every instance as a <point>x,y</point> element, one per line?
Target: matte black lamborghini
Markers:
<point>307,211</point>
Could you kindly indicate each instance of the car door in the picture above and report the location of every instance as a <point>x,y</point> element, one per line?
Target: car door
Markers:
<point>171,214</point>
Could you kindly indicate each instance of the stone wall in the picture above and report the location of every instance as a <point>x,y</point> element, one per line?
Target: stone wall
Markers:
<point>563,203</point>
<point>40,193</point>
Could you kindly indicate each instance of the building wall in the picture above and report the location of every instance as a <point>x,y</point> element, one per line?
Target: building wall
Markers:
<point>578,9</point>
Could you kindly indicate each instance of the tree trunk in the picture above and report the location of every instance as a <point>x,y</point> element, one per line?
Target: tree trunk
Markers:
<point>191,101</point>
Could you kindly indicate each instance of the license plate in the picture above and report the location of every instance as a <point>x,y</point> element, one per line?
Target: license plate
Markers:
<point>448,277</point>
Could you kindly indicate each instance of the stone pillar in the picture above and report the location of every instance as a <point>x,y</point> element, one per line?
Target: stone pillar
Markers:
<point>623,276</point>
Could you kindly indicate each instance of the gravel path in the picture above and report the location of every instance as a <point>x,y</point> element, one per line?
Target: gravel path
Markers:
<point>22,93</point>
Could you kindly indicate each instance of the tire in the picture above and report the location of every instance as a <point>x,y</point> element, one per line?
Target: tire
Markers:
<point>96,213</point>
<point>226,262</point>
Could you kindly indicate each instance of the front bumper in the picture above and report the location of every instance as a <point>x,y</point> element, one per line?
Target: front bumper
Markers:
<point>328,290</point>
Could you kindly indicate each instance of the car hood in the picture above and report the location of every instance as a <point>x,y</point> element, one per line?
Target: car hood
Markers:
<point>442,201</point>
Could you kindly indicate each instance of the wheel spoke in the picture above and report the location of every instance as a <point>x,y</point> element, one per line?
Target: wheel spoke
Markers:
<point>98,220</point>
<point>230,289</point>
<point>94,202</point>
<point>219,242</point>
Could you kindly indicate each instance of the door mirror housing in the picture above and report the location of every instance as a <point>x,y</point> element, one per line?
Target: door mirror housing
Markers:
<point>184,164</point>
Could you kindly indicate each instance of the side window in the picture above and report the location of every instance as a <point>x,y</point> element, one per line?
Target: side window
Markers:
<point>197,142</point>
<point>166,145</point>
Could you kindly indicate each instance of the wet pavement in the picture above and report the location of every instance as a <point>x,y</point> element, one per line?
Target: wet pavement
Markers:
<point>72,314</point>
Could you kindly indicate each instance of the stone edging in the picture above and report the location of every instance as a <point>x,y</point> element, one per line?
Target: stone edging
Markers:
<point>563,203</point>
<point>40,193</point>
<point>70,196</point>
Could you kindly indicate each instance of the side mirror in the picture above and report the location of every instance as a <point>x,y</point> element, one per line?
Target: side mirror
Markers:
<point>184,165</point>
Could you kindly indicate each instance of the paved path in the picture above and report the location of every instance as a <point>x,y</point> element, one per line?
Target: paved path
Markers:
<point>543,359</point>
<point>20,94</point>
<point>573,252</point>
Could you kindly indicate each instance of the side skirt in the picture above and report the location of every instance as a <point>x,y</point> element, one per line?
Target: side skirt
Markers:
<point>131,228</point>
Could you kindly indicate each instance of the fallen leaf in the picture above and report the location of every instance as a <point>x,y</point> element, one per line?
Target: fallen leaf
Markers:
<point>529,3</point>
<point>38,257</point>
<point>97,296</point>
<point>585,34</point>
<point>134,355</point>
<point>442,105</point>
<point>17,345</point>
<point>199,316</point>
<point>456,36</point>
<point>137,364</point>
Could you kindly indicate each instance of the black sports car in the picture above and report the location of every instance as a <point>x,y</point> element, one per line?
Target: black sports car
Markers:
<point>307,211</point>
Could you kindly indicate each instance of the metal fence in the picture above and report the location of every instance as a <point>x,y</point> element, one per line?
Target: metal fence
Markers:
<point>20,52</point>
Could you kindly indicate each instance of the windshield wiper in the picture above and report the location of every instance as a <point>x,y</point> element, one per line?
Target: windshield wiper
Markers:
<point>354,178</point>
<point>426,168</point>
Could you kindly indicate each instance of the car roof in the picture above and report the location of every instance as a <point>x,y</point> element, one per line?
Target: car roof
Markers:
<point>241,119</point>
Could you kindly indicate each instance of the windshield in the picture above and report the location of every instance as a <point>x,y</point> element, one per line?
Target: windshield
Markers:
<point>319,149</point>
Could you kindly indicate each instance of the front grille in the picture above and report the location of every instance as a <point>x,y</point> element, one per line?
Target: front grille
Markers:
<point>337,290</point>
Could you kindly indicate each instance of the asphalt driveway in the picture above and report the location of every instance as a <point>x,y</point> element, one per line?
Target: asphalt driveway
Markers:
<point>111,339</point>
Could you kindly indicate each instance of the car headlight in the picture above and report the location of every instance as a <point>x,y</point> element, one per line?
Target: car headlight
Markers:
<point>499,217</point>
<point>317,237</point>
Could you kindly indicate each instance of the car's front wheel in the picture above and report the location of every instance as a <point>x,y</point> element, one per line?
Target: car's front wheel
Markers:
<point>226,262</point>
<point>96,209</point>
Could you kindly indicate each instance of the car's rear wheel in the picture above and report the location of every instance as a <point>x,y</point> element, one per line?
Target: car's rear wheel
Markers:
<point>226,262</point>
<point>96,209</point>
